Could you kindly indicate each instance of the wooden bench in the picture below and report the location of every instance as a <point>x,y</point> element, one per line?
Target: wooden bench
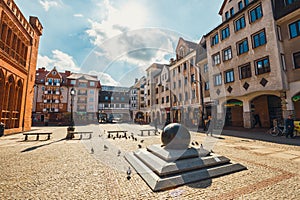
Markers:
<point>117,132</point>
<point>37,135</point>
<point>83,133</point>
<point>149,131</point>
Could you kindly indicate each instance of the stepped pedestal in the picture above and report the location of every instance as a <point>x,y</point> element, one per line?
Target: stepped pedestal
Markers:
<point>177,164</point>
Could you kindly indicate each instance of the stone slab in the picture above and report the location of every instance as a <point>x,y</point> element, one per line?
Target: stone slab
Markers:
<point>157,183</point>
<point>173,154</point>
<point>162,167</point>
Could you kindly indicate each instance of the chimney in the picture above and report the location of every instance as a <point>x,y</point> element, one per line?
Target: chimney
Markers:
<point>171,61</point>
<point>68,73</point>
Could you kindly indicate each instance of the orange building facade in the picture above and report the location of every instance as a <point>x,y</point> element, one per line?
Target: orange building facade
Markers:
<point>19,42</point>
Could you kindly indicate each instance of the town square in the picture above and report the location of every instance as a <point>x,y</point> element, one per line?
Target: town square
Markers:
<point>115,99</point>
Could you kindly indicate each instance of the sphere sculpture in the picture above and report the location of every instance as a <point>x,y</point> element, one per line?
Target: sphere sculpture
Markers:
<point>175,136</point>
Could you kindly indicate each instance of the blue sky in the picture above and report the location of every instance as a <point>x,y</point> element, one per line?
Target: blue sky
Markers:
<point>117,39</point>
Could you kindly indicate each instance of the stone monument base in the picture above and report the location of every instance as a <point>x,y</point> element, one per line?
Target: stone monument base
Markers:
<point>163,168</point>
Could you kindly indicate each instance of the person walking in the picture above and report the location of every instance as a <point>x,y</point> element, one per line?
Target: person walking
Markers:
<point>257,120</point>
<point>289,127</point>
<point>209,126</point>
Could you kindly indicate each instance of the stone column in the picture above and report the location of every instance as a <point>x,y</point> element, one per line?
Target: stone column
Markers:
<point>247,115</point>
<point>247,119</point>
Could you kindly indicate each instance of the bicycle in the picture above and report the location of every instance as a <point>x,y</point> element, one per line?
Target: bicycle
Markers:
<point>276,131</point>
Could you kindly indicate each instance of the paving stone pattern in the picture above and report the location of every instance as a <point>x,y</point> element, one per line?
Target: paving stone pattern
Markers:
<point>66,169</point>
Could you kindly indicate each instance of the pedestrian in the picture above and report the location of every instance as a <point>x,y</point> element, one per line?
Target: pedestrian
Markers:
<point>155,124</point>
<point>256,120</point>
<point>289,127</point>
<point>209,126</point>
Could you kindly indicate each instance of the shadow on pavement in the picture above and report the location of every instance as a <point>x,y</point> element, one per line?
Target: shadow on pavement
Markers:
<point>39,146</point>
<point>262,135</point>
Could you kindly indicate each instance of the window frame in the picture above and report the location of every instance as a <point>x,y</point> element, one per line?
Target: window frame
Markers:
<point>257,14</point>
<point>264,69</point>
<point>297,27</point>
<point>238,46</point>
<point>248,72</point>
<point>215,39</point>
<point>259,39</point>
<point>232,79</point>
<point>240,5</point>
<point>294,60</point>
<point>227,57</point>
<point>218,79</point>
<point>242,25</point>
<point>225,33</point>
<point>214,60</point>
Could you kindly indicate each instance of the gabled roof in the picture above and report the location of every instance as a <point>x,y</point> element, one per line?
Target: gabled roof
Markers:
<point>189,44</point>
<point>222,7</point>
<point>41,74</point>
<point>87,77</point>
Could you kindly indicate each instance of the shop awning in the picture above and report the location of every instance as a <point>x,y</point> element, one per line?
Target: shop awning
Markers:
<point>235,103</point>
<point>296,98</point>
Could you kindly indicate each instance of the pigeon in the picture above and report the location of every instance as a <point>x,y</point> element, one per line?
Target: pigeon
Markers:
<point>108,135</point>
<point>142,141</point>
<point>119,152</point>
<point>193,143</point>
<point>140,146</point>
<point>105,148</point>
<point>135,139</point>
<point>100,135</point>
<point>196,143</point>
<point>92,150</point>
<point>128,173</point>
<point>114,138</point>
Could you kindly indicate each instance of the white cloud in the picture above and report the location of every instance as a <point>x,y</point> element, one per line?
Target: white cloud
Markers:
<point>78,15</point>
<point>131,15</point>
<point>105,79</point>
<point>61,60</point>
<point>48,4</point>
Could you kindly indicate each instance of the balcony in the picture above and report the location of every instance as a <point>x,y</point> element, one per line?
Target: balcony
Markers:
<point>56,101</point>
<point>57,84</point>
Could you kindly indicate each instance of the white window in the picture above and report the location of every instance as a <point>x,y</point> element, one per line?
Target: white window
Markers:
<point>73,82</point>
<point>216,59</point>
<point>92,84</point>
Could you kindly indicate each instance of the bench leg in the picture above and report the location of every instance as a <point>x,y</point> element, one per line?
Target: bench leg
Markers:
<point>142,133</point>
<point>148,133</point>
<point>80,136</point>
<point>48,137</point>
<point>37,137</point>
<point>26,137</point>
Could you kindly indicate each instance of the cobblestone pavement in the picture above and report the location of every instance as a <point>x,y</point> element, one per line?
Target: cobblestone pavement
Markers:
<point>66,169</point>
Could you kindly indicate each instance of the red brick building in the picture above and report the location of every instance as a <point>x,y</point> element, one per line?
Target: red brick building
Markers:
<point>19,42</point>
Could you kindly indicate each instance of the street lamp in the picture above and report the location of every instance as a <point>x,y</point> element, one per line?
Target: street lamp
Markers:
<point>71,128</point>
